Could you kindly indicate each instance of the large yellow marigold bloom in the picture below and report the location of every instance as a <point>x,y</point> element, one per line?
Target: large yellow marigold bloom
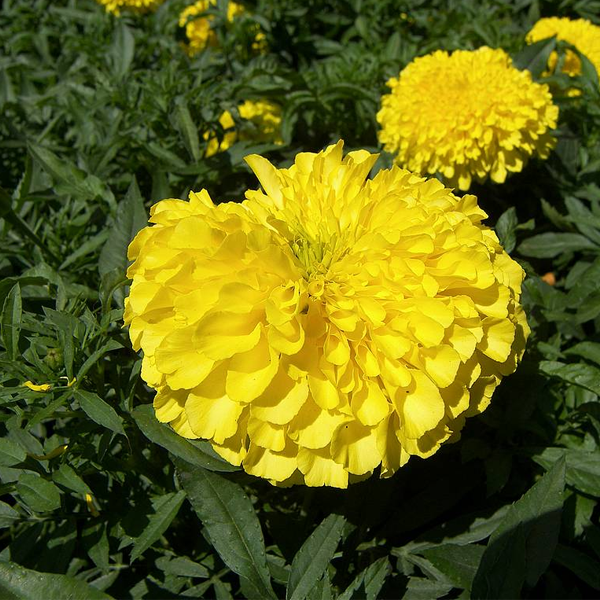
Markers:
<point>199,31</point>
<point>327,325</point>
<point>264,125</point>
<point>138,6</point>
<point>581,33</point>
<point>465,115</point>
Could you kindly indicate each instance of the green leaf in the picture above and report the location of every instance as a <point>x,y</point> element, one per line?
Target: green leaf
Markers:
<point>123,49</point>
<point>67,477</point>
<point>458,563</point>
<point>89,246</point>
<point>232,525</point>
<point>534,57</point>
<point>196,453</point>
<point>463,530</point>
<point>313,558</point>
<point>583,467</point>
<point>17,583</point>
<point>589,350</point>
<point>419,588</point>
<point>109,346</point>
<point>61,170</point>
<point>39,494</point>
<point>549,245</point>
<point>9,215</point>
<point>99,411</point>
<point>368,583</point>
<point>523,544</point>
<point>581,374</point>
<point>182,567</point>
<point>95,543</point>
<point>322,591</point>
<point>581,564</point>
<point>11,453</point>
<point>131,217</point>
<point>506,228</point>
<point>8,515</point>
<point>189,131</point>
<point>11,321</point>
<point>165,510</point>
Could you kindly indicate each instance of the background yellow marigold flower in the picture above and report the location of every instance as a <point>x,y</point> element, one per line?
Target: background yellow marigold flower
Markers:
<point>139,6</point>
<point>264,125</point>
<point>198,29</point>
<point>467,115</point>
<point>581,33</point>
<point>328,325</point>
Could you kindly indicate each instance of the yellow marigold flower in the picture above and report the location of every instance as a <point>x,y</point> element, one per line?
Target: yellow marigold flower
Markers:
<point>138,6</point>
<point>199,32</point>
<point>581,33</point>
<point>264,125</point>
<point>465,115</point>
<point>327,325</point>
<point>42,387</point>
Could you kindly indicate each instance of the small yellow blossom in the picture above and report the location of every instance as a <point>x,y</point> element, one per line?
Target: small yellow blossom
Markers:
<point>581,33</point>
<point>52,454</point>
<point>138,6</point>
<point>42,387</point>
<point>199,31</point>
<point>89,500</point>
<point>330,324</point>
<point>264,125</point>
<point>466,115</point>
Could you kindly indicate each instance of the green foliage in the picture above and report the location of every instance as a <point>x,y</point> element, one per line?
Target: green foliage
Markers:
<point>99,118</point>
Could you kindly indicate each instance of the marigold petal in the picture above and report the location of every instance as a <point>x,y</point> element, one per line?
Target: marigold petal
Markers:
<point>251,372</point>
<point>320,469</point>
<point>355,447</point>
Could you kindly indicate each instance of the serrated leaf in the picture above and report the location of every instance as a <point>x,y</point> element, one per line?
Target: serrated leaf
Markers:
<point>534,57</point>
<point>10,453</point>
<point>589,350</point>
<point>549,245</point>
<point>131,217</point>
<point>109,346</point>
<point>196,453</point>
<point>368,583</point>
<point>581,374</point>
<point>313,558</point>
<point>506,228</point>
<point>95,542</point>
<point>18,583</point>
<point>583,467</point>
<point>458,563</point>
<point>188,129</point>
<point>12,311</point>
<point>463,530</point>
<point>419,588</point>
<point>99,411</point>
<point>580,564</point>
<point>67,477</point>
<point>182,567</point>
<point>38,493</point>
<point>61,170</point>
<point>232,525</point>
<point>8,515</point>
<point>123,49</point>
<point>89,246</point>
<point>165,510</point>
<point>522,546</point>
